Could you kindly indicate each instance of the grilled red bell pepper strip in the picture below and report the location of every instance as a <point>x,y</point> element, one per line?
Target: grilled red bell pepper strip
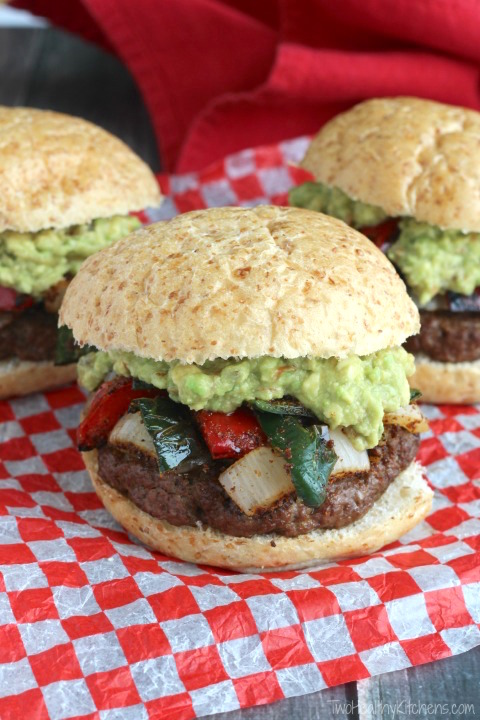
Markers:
<point>107,406</point>
<point>382,233</point>
<point>11,301</point>
<point>230,435</point>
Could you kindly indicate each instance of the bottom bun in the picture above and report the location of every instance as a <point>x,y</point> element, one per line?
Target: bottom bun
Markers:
<point>20,377</point>
<point>452,383</point>
<point>405,502</point>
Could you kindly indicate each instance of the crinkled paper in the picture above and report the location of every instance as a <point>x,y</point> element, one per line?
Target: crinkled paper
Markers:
<point>94,625</point>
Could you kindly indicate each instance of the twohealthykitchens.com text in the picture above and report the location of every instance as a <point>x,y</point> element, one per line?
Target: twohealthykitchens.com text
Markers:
<point>402,709</point>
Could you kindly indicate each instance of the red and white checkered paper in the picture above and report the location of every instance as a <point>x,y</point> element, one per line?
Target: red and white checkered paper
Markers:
<point>95,626</point>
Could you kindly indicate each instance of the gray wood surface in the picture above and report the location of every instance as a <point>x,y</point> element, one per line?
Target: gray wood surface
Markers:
<point>447,688</point>
<point>46,68</point>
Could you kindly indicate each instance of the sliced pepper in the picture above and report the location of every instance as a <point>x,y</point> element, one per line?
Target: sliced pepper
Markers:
<point>284,406</point>
<point>173,432</point>
<point>107,406</point>
<point>11,301</point>
<point>230,435</point>
<point>382,233</point>
<point>415,395</point>
<point>310,458</point>
<point>66,349</point>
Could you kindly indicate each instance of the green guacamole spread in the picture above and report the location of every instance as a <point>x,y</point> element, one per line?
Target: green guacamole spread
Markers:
<point>434,260</point>
<point>33,262</point>
<point>353,393</point>
<point>332,201</point>
<point>430,259</point>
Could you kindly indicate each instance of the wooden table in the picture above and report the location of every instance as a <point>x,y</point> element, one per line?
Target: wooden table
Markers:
<point>46,68</point>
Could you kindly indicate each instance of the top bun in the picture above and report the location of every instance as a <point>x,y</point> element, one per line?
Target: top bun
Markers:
<point>57,170</point>
<point>409,156</point>
<point>238,282</point>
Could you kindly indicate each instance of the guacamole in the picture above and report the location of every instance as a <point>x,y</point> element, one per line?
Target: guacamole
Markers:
<point>353,393</point>
<point>332,201</point>
<point>33,262</point>
<point>434,260</point>
<point>430,259</point>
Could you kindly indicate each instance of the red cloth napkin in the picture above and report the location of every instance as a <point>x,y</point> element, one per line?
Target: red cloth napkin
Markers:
<point>222,75</point>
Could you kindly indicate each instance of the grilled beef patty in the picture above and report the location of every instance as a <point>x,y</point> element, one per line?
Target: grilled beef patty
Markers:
<point>29,335</point>
<point>447,336</point>
<point>197,496</point>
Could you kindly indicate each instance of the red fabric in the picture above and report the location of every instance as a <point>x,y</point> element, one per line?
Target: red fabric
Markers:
<point>221,75</point>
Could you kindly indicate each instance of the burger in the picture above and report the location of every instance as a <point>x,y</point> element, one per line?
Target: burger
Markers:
<point>251,405</point>
<point>406,172</point>
<point>66,190</point>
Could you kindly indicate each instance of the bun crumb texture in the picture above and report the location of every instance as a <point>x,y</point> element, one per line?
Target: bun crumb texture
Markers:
<point>57,170</point>
<point>409,156</point>
<point>237,282</point>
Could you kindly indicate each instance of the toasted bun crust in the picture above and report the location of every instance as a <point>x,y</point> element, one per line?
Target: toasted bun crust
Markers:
<point>19,377</point>
<point>455,383</point>
<point>57,170</point>
<point>409,156</point>
<point>238,282</point>
<point>406,501</point>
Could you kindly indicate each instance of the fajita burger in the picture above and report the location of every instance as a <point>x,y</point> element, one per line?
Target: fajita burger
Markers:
<point>251,405</point>
<point>66,188</point>
<point>406,172</point>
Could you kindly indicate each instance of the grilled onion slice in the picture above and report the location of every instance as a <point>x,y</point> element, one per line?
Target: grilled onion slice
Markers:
<point>349,459</point>
<point>130,430</point>
<point>257,481</point>
<point>409,417</point>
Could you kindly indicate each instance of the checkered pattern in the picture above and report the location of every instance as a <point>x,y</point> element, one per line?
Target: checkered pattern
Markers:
<point>251,177</point>
<point>93,625</point>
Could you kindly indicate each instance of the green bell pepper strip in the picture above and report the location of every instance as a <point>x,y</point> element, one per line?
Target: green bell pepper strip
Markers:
<point>173,432</point>
<point>308,455</point>
<point>283,406</point>
<point>415,395</point>
<point>66,349</point>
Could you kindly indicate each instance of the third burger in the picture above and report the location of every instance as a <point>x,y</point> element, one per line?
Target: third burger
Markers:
<point>406,173</point>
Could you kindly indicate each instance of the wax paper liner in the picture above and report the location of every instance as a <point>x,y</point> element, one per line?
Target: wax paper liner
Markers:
<point>93,625</point>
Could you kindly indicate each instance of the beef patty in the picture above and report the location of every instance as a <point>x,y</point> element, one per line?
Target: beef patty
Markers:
<point>447,336</point>
<point>30,335</point>
<point>197,496</point>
